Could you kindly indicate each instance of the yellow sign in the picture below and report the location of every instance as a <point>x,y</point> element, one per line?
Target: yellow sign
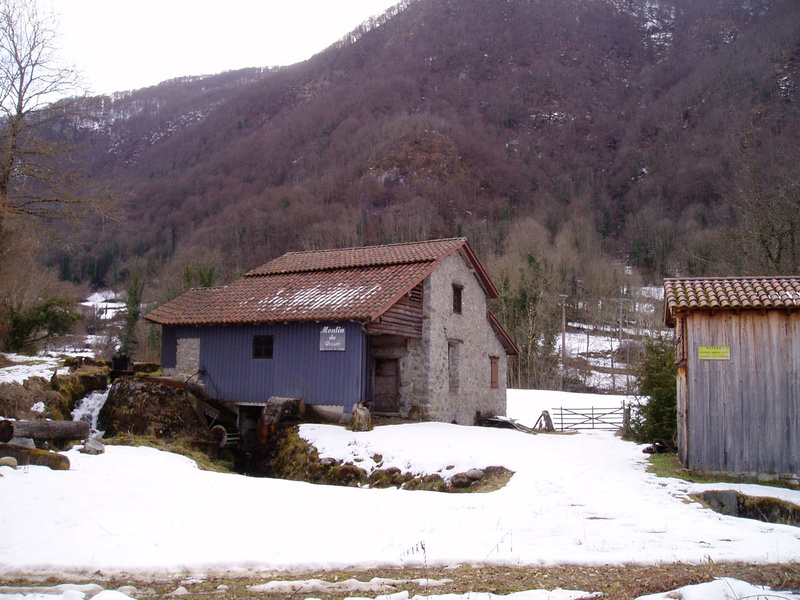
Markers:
<point>714,353</point>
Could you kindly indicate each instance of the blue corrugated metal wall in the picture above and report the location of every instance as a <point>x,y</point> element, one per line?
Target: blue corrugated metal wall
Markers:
<point>298,368</point>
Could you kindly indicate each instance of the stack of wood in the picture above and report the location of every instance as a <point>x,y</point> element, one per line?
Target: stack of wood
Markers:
<point>39,431</point>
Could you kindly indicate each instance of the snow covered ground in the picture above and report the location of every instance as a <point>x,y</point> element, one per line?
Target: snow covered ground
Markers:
<point>588,348</point>
<point>526,407</point>
<point>106,305</point>
<point>574,499</point>
<point>595,348</point>
<point>42,365</point>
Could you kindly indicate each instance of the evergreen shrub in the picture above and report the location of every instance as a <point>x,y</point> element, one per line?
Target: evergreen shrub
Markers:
<point>654,417</point>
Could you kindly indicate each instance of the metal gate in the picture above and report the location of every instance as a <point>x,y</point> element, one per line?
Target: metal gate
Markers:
<point>573,419</point>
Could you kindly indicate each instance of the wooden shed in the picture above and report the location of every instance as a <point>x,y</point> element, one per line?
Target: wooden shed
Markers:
<point>737,347</point>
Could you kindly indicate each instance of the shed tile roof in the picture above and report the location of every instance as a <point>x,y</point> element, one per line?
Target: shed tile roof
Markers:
<point>729,293</point>
<point>352,284</point>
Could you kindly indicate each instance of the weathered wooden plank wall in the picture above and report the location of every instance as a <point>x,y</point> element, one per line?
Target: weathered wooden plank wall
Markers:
<point>403,319</point>
<point>742,414</point>
<point>683,390</point>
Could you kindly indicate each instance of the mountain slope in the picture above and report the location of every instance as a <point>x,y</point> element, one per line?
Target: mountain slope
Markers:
<point>451,117</point>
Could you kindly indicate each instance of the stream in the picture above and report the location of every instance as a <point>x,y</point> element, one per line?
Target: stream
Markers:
<point>88,408</point>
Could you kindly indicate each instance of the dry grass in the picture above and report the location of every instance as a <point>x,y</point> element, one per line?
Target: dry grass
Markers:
<point>668,465</point>
<point>616,583</point>
<point>181,445</point>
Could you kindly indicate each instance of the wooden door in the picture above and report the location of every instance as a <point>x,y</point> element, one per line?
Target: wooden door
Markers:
<point>386,383</point>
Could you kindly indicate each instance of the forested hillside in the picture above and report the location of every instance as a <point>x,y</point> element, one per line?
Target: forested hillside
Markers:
<point>637,122</point>
<point>567,139</point>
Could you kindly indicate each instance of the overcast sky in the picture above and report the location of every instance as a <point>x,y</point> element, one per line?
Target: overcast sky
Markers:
<point>129,45</point>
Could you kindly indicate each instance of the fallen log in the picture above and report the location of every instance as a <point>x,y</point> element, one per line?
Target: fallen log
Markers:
<point>44,431</point>
<point>34,456</point>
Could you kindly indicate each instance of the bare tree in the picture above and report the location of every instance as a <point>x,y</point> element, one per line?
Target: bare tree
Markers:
<point>767,201</point>
<point>765,197</point>
<point>37,176</point>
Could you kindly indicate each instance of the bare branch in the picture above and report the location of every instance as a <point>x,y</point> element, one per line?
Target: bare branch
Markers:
<point>37,178</point>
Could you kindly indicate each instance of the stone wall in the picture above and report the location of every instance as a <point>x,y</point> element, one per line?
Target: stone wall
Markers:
<point>188,357</point>
<point>413,384</point>
<point>457,348</point>
<point>413,381</point>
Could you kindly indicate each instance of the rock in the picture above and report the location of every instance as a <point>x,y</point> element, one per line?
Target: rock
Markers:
<point>8,461</point>
<point>391,477</point>
<point>76,362</point>
<point>736,504</point>
<point>475,474</point>
<point>350,473</point>
<point>93,446</point>
<point>362,419</point>
<point>277,415</point>
<point>725,502</point>
<point>129,591</point>
<point>460,480</point>
<point>24,442</point>
<point>432,482</point>
<point>141,407</point>
<point>181,591</point>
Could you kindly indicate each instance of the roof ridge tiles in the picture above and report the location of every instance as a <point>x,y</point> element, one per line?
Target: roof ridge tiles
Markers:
<point>374,246</point>
<point>359,257</point>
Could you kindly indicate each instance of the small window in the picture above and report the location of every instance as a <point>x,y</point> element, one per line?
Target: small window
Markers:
<point>262,346</point>
<point>457,289</point>
<point>494,376</point>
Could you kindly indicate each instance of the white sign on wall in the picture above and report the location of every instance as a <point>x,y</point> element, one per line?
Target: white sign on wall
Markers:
<point>332,339</point>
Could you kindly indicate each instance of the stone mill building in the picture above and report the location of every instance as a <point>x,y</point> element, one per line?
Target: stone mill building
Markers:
<point>403,328</point>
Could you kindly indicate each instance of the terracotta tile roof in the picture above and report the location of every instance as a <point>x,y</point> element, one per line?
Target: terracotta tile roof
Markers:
<point>390,254</point>
<point>508,344</point>
<point>729,293</point>
<point>353,284</point>
<point>185,308</point>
